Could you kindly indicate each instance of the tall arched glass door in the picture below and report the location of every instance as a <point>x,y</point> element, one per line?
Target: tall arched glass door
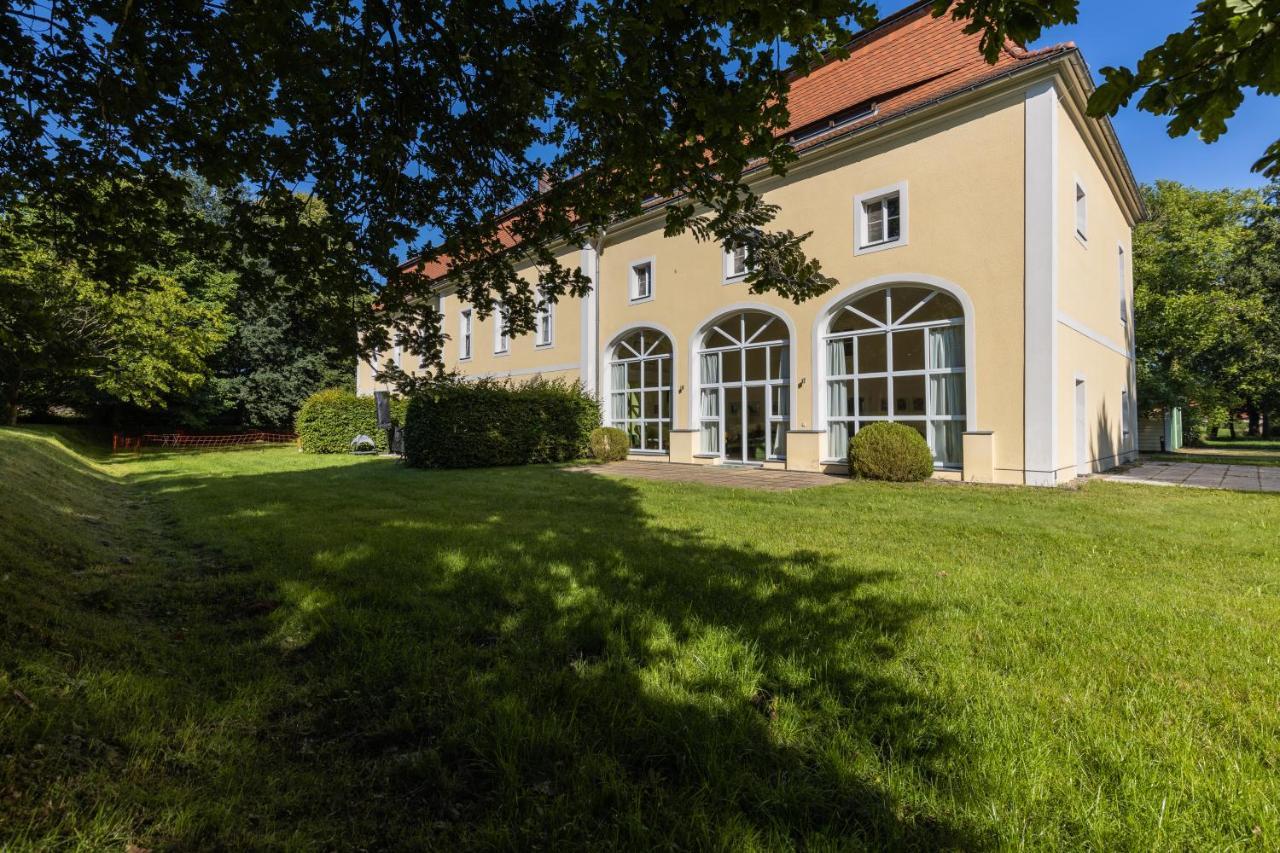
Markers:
<point>745,375</point>
<point>640,389</point>
<point>898,355</point>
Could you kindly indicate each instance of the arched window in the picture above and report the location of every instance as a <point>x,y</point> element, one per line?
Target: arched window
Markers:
<point>745,406</point>
<point>640,389</point>
<point>898,355</point>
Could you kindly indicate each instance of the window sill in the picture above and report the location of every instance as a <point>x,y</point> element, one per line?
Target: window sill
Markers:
<point>878,247</point>
<point>735,279</point>
<point>640,300</point>
<point>501,353</point>
<point>1082,239</point>
<point>548,345</point>
<point>706,456</point>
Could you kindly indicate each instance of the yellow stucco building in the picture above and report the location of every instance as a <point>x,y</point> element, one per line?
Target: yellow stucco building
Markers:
<point>979,225</point>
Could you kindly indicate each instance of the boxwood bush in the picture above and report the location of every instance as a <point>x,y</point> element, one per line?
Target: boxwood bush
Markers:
<point>452,423</point>
<point>609,444</point>
<point>889,451</point>
<point>330,419</point>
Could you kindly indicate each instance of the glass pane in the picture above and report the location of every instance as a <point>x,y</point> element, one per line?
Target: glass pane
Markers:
<point>756,364</point>
<point>636,433</point>
<point>618,409</point>
<point>666,404</point>
<point>947,440</point>
<point>757,420</point>
<point>779,362</point>
<point>940,307</point>
<point>837,440</point>
<point>716,339</point>
<point>731,364</point>
<point>906,298</point>
<point>875,222</point>
<point>660,346</point>
<point>633,404</point>
<point>665,431</point>
<point>778,431</point>
<point>908,393</point>
<point>763,324</point>
<point>840,399</point>
<point>946,347</point>
<point>711,368</point>
<point>871,354</point>
<point>651,404</point>
<point>873,398</point>
<point>948,394</point>
<point>908,350</point>
<point>733,439</point>
<point>780,401</point>
<point>711,403</point>
<point>873,305</point>
<point>840,357</point>
<point>652,437</point>
<point>711,437</point>
<point>847,321</point>
<point>634,375</point>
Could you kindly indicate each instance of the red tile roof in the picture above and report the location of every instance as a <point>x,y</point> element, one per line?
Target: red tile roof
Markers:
<point>907,61</point>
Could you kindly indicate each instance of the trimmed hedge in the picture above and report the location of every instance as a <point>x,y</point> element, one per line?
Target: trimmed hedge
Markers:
<point>890,451</point>
<point>330,419</point>
<point>455,424</point>
<point>609,444</point>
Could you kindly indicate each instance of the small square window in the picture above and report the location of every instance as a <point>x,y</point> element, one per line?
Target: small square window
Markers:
<point>641,281</point>
<point>464,335</point>
<point>880,219</point>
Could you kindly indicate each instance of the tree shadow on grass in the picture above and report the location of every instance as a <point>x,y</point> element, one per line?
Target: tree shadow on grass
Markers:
<point>535,657</point>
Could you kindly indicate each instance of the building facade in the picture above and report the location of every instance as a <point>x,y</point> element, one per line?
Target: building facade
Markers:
<point>979,225</point>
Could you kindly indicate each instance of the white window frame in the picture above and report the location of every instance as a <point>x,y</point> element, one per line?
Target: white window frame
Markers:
<point>544,324</point>
<point>776,388</point>
<point>1082,212</point>
<point>861,246</point>
<point>465,325</point>
<point>501,341</point>
<point>1124,419</point>
<point>656,371</point>
<point>731,275</point>
<point>633,280</point>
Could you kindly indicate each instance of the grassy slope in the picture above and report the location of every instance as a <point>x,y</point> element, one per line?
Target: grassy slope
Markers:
<point>341,652</point>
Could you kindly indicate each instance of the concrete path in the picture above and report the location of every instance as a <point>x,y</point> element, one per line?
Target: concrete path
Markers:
<point>714,475</point>
<point>1240,478</point>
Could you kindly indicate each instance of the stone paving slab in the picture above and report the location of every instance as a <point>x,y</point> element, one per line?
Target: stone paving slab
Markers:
<point>763,479</point>
<point>1240,478</point>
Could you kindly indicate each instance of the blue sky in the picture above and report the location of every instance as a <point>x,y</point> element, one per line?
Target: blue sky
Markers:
<point>1118,32</point>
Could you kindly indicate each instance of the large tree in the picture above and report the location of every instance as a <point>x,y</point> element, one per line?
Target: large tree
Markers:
<point>436,119</point>
<point>1206,309</point>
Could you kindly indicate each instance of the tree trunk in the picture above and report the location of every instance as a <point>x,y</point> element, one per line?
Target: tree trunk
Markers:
<point>1255,418</point>
<point>11,404</point>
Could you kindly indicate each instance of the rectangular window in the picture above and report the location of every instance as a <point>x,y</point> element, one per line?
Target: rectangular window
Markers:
<point>1124,419</point>
<point>543,323</point>
<point>1082,212</point>
<point>501,343</point>
<point>884,220</point>
<point>641,281</point>
<point>1124,291</point>
<point>880,219</point>
<point>735,263</point>
<point>464,335</point>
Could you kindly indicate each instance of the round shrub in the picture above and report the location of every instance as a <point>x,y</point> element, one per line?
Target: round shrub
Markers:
<point>330,419</point>
<point>609,444</point>
<point>889,451</point>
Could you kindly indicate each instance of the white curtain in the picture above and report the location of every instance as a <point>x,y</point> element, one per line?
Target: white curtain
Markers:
<point>838,399</point>
<point>710,437</point>
<point>619,377</point>
<point>946,347</point>
<point>711,368</point>
<point>618,411</point>
<point>948,438</point>
<point>838,431</point>
<point>948,392</point>
<point>711,403</point>
<point>837,358</point>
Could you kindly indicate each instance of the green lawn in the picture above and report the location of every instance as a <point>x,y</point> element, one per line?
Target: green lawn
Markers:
<point>266,649</point>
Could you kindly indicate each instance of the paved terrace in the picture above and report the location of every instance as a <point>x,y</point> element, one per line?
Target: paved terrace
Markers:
<point>715,475</point>
<point>1240,478</point>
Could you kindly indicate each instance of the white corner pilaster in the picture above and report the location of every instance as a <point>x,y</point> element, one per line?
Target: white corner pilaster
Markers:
<point>1040,398</point>
<point>589,347</point>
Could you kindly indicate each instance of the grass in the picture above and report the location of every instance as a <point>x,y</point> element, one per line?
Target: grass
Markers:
<point>1227,451</point>
<point>264,649</point>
